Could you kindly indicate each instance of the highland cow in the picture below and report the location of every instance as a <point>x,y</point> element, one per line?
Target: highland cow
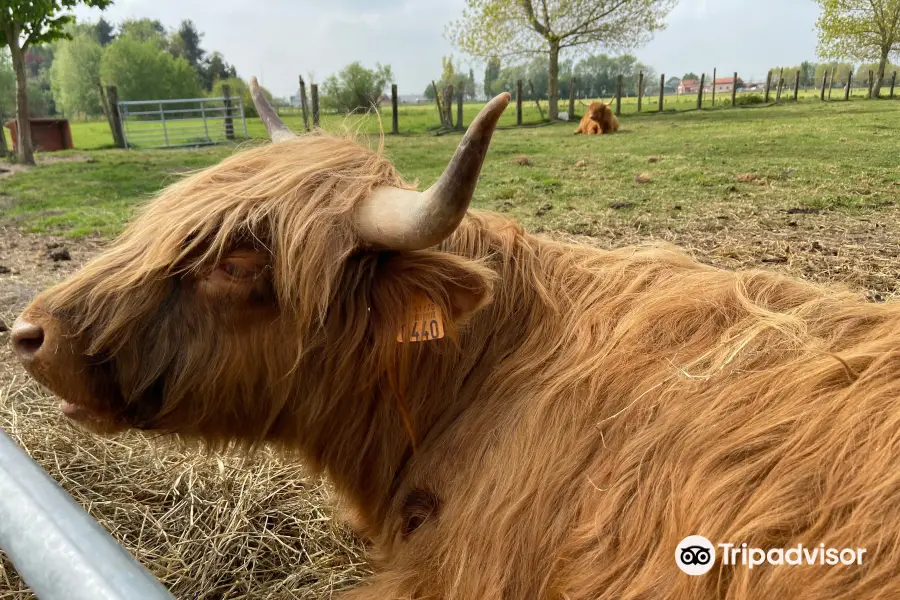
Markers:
<point>508,415</point>
<point>599,119</point>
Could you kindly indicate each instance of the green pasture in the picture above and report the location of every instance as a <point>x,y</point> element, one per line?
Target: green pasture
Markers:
<point>832,156</point>
<point>420,118</point>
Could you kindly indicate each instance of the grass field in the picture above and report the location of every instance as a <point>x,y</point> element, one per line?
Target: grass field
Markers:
<point>808,189</point>
<point>412,119</point>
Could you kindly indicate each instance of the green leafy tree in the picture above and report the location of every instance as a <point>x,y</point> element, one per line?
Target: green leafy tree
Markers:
<point>864,30</point>
<point>104,32</point>
<point>356,87</point>
<point>144,71</point>
<point>672,84</point>
<point>551,27</point>
<point>144,30</point>
<point>861,76</point>
<point>491,73</point>
<point>690,76</point>
<point>215,68</point>
<point>27,23</point>
<point>75,75</point>
<point>842,71</point>
<point>186,43</point>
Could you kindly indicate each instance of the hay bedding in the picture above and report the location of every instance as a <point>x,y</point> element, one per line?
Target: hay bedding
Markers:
<point>216,527</point>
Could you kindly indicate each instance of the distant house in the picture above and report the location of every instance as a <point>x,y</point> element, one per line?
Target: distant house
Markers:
<point>723,84</point>
<point>688,86</point>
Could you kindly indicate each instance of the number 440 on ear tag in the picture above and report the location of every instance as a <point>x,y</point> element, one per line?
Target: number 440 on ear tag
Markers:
<point>423,324</point>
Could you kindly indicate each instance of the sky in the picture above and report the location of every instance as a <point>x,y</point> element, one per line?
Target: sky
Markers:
<point>277,40</point>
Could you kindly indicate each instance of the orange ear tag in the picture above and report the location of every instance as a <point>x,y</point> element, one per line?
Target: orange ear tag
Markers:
<point>424,323</point>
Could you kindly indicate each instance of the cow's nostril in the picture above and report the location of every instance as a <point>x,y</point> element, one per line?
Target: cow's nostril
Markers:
<point>27,339</point>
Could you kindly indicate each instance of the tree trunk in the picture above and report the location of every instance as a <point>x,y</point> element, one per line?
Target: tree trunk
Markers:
<point>879,76</point>
<point>24,151</point>
<point>554,80</point>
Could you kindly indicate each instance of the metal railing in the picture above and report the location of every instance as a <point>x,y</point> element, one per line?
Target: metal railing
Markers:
<point>182,121</point>
<point>56,547</point>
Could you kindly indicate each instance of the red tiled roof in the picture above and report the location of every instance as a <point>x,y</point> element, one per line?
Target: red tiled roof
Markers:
<point>690,83</point>
<point>724,80</point>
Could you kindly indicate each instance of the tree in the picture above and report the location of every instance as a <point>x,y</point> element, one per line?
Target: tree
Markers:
<point>841,74</point>
<point>215,68</point>
<point>672,84</point>
<point>491,73</point>
<point>104,32</point>
<point>861,77</point>
<point>690,76</point>
<point>144,30</point>
<point>356,87</point>
<point>522,27</point>
<point>807,73</point>
<point>27,23</point>
<point>75,75</point>
<point>863,30</point>
<point>470,84</point>
<point>144,71</point>
<point>186,43</point>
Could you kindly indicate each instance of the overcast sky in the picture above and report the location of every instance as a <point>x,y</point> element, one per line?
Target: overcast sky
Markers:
<point>277,40</point>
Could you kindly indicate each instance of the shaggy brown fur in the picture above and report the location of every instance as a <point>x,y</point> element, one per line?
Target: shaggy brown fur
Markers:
<point>588,410</point>
<point>599,119</point>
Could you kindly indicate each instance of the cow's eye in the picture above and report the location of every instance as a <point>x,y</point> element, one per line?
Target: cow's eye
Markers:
<point>240,268</point>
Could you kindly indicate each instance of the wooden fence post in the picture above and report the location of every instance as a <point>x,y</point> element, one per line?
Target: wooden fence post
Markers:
<point>572,82</point>
<point>618,95</point>
<point>460,98</point>
<point>780,86</point>
<point>830,82</point>
<point>700,91</point>
<point>314,92</point>
<point>849,81</point>
<point>768,85</point>
<point>734,83</point>
<point>662,91</point>
<point>115,117</point>
<point>640,90</point>
<point>871,83</point>
<point>824,81</point>
<point>395,118</point>
<point>714,88</point>
<point>519,102</point>
<point>229,124</point>
<point>797,85</point>
<point>303,104</point>
<point>893,83</point>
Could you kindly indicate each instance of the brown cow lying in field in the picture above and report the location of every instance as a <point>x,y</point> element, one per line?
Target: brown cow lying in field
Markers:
<point>556,418</point>
<point>599,119</point>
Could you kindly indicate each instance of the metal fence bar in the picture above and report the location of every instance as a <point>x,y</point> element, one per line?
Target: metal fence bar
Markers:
<point>243,118</point>
<point>174,101</point>
<point>205,123</point>
<point>56,547</point>
<point>162,117</point>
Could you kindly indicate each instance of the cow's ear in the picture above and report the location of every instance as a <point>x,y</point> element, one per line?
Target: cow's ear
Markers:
<point>459,287</point>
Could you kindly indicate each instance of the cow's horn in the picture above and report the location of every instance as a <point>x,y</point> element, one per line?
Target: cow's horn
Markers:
<point>278,131</point>
<point>410,220</point>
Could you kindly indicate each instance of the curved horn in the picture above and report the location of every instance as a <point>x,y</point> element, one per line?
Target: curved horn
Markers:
<point>410,220</point>
<point>278,131</point>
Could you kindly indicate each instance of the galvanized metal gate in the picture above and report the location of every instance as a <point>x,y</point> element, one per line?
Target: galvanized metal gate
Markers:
<point>182,122</point>
<point>56,547</point>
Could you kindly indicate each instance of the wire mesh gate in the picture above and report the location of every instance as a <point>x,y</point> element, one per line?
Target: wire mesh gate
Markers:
<point>182,122</point>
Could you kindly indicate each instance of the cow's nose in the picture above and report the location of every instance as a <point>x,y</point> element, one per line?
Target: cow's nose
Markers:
<point>27,339</point>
